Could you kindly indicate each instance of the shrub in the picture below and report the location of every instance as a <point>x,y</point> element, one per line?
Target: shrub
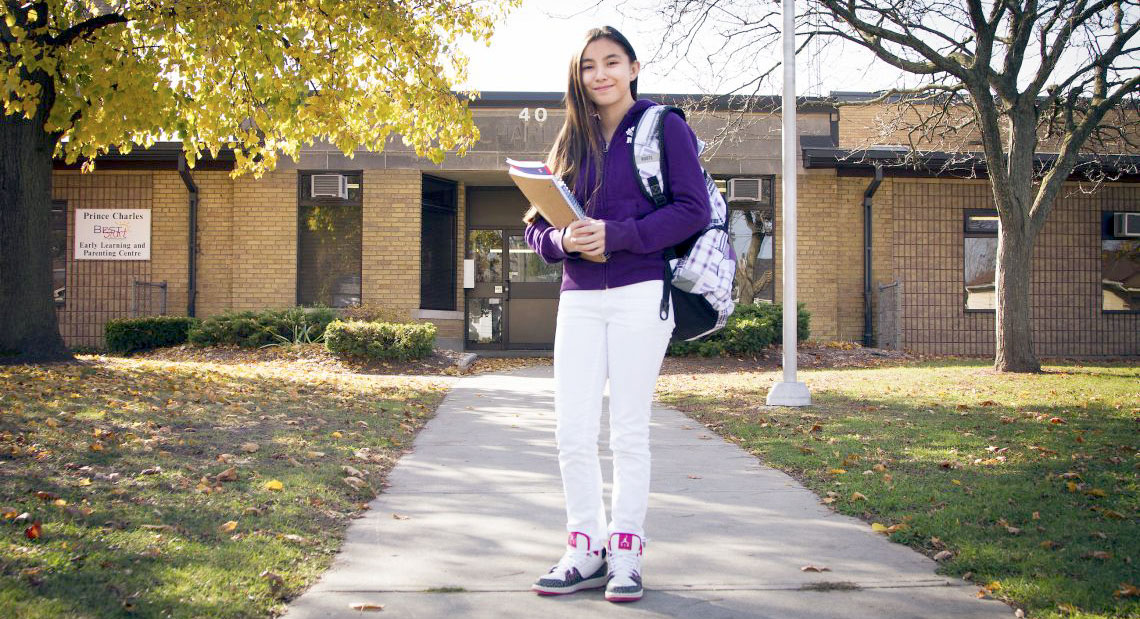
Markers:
<point>267,327</point>
<point>127,335</point>
<point>381,340</point>
<point>749,330</point>
<point>371,312</point>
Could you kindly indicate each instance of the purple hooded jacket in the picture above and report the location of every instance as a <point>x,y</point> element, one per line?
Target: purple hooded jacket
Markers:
<point>637,233</point>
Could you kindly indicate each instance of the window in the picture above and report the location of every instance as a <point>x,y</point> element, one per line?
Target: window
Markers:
<point>329,237</point>
<point>1119,269</point>
<point>980,258</point>
<point>751,226</point>
<point>438,272</point>
<point>59,251</point>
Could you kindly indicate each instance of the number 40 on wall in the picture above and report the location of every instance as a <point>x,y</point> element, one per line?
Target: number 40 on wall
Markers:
<point>539,114</point>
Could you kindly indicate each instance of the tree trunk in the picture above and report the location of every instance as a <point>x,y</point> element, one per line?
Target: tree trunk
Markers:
<point>1013,330</point>
<point>29,330</point>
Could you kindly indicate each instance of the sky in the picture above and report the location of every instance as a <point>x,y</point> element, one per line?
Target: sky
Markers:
<point>531,50</point>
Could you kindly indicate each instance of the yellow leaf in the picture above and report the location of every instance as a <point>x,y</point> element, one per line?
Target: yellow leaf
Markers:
<point>60,502</point>
<point>337,435</point>
<point>85,482</point>
<point>228,526</point>
<point>858,496</point>
<point>273,484</point>
<point>838,471</point>
<point>878,528</point>
<point>955,482</point>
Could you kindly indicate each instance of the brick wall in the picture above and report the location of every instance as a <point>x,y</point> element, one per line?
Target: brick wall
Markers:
<point>216,254</point>
<point>1065,291</point>
<point>100,290</point>
<point>170,238</point>
<point>264,241</point>
<point>391,253</point>
<point>818,249</point>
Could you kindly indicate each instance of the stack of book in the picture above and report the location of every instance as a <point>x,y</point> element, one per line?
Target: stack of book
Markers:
<point>553,199</point>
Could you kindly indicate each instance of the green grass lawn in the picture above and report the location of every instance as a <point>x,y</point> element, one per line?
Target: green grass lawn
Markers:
<point>187,489</point>
<point>1029,482</point>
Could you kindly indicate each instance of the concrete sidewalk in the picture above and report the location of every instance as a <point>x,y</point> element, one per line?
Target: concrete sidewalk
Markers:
<point>482,498</point>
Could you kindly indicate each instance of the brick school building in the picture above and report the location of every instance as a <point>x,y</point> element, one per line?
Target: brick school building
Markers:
<point>902,259</point>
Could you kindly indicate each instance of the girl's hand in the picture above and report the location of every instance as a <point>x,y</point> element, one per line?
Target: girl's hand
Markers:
<point>585,235</point>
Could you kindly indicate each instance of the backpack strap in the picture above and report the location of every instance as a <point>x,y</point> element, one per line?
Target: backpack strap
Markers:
<point>648,153</point>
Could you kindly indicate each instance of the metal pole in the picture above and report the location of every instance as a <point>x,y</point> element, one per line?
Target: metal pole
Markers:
<point>790,392</point>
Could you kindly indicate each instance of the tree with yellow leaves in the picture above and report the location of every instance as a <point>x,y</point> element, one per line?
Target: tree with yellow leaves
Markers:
<point>261,77</point>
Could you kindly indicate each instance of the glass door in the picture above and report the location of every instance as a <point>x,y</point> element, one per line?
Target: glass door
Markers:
<point>532,301</point>
<point>485,306</point>
<point>514,302</point>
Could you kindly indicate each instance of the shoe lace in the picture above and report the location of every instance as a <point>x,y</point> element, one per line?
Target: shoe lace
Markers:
<point>572,558</point>
<point>625,564</point>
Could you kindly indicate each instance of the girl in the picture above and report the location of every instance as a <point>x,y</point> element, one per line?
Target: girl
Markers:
<point>609,322</point>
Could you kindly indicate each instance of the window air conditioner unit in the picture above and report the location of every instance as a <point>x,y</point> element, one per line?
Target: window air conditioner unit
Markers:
<point>744,189</point>
<point>1126,224</point>
<point>330,186</point>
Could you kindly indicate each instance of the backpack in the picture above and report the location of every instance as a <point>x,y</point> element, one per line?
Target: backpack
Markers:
<point>699,271</point>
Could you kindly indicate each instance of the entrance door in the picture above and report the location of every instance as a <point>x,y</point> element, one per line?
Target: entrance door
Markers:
<point>515,298</point>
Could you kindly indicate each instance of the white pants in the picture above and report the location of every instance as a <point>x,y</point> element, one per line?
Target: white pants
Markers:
<point>616,333</point>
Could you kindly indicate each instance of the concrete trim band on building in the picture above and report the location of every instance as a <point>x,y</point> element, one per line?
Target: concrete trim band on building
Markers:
<point>255,238</point>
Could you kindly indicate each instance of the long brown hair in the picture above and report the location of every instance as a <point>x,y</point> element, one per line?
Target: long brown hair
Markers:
<point>582,130</point>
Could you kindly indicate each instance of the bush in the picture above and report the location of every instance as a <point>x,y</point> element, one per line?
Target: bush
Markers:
<point>127,335</point>
<point>749,330</point>
<point>381,340</point>
<point>371,312</point>
<point>267,327</point>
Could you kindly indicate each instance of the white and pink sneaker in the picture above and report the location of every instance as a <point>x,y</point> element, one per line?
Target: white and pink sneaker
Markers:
<point>581,567</point>
<point>625,568</point>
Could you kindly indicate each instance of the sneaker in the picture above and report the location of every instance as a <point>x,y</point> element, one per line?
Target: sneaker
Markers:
<point>625,568</point>
<point>581,567</point>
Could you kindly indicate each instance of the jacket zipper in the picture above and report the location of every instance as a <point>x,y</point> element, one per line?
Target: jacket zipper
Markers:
<point>605,162</point>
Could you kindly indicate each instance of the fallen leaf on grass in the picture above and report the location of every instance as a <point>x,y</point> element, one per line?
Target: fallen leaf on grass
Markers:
<point>1096,554</point>
<point>355,482</point>
<point>275,485</point>
<point>46,496</point>
<point>1126,590</point>
<point>944,555</point>
<point>351,472</point>
<point>367,606</point>
<point>34,531</point>
<point>276,583</point>
<point>229,474</point>
<point>228,526</point>
<point>315,454</point>
<point>858,496</point>
<point>250,447</point>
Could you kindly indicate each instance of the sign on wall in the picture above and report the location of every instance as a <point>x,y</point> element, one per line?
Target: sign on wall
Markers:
<point>112,234</point>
